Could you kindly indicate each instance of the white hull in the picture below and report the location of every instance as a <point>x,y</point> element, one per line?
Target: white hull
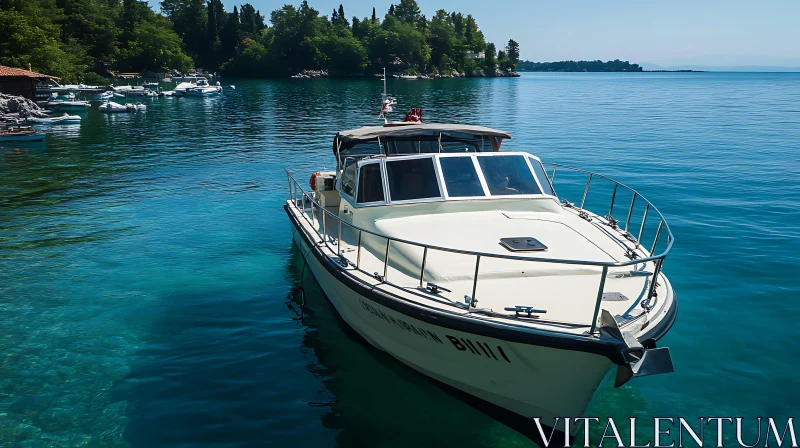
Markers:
<point>202,92</point>
<point>528,380</point>
<point>69,105</point>
<point>116,107</point>
<point>64,119</point>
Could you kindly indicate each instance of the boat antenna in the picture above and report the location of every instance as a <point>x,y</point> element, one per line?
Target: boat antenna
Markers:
<point>387,101</point>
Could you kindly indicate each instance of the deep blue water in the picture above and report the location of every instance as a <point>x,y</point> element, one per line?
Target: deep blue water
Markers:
<point>147,271</point>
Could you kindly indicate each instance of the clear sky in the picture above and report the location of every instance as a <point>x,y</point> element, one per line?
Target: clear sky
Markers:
<point>666,33</point>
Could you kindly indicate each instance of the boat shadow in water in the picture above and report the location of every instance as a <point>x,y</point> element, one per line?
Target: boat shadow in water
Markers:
<point>380,401</point>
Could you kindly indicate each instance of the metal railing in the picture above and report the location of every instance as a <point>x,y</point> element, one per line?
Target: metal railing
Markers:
<point>295,191</point>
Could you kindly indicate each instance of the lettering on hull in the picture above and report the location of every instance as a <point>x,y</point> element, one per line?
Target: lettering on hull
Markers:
<point>475,347</point>
<point>399,323</point>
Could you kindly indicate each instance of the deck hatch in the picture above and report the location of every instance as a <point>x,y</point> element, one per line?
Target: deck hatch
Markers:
<point>614,297</point>
<point>522,244</point>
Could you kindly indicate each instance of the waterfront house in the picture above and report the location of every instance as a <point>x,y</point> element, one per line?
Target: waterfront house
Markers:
<point>20,82</point>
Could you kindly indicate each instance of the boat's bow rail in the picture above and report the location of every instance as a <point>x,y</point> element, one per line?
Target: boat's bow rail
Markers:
<point>638,254</point>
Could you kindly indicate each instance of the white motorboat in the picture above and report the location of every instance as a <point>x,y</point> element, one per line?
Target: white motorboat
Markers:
<point>111,106</point>
<point>202,88</point>
<point>63,119</point>
<point>464,263</point>
<point>408,77</point>
<point>20,134</point>
<point>56,97</point>
<point>187,82</point>
<point>131,91</point>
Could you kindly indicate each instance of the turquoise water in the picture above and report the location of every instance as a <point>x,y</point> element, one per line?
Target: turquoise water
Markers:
<point>147,271</point>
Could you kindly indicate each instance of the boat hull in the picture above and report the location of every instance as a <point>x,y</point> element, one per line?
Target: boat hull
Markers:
<point>30,137</point>
<point>202,93</point>
<point>528,380</point>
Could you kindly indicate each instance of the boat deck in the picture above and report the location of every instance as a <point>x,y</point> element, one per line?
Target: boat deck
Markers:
<point>567,292</point>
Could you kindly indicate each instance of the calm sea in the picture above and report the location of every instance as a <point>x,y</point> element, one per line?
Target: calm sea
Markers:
<point>147,270</point>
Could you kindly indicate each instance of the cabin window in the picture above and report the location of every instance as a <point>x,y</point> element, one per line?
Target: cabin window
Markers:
<point>395,147</point>
<point>412,179</point>
<point>349,179</point>
<point>508,175</point>
<point>542,176</point>
<point>370,184</point>
<point>460,177</point>
<point>457,142</point>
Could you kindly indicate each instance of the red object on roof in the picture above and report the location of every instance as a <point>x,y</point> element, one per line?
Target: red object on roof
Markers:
<point>414,116</point>
<point>18,72</point>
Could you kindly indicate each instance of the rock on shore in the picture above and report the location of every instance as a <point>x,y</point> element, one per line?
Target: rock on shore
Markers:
<point>16,107</point>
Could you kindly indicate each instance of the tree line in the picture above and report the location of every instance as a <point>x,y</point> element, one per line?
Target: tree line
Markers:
<point>579,66</point>
<point>84,40</point>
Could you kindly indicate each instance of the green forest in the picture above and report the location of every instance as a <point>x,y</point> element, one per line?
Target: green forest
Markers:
<point>579,66</point>
<point>86,40</point>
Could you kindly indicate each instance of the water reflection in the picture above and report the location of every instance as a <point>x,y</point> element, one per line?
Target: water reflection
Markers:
<point>377,400</point>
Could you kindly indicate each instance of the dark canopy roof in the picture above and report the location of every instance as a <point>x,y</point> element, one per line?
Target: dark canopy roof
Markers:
<point>356,142</point>
<point>427,129</point>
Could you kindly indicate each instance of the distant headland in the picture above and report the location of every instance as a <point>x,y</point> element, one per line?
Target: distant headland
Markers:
<point>586,66</point>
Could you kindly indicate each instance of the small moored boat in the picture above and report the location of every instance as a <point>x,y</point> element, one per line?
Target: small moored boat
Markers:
<point>202,88</point>
<point>20,134</point>
<point>111,106</point>
<point>63,119</point>
<point>68,105</point>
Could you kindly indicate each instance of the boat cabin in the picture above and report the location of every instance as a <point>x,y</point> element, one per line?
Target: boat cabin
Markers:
<point>417,163</point>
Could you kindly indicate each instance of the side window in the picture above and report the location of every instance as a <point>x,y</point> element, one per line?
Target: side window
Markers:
<point>412,179</point>
<point>460,177</point>
<point>542,176</point>
<point>508,175</point>
<point>349,180</point>
<point>370,184</point>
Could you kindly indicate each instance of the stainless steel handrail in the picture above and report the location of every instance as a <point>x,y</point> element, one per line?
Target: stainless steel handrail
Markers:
<point>294,186</point>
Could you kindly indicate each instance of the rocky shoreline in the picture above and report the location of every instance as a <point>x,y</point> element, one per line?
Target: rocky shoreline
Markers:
<point>18,107</point>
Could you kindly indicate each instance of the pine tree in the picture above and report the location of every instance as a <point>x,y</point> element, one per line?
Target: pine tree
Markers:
<point>342,17</point>
<point>230,34</point>
<point>374,18</point>
<point>512,51</point>
<point>212,22</point>
<point>391,10</point>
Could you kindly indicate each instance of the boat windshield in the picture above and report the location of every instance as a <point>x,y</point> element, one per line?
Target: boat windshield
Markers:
<point>433,177</point>
<point>460,177</point>
<point>412,179</point>
<point>508,175</point>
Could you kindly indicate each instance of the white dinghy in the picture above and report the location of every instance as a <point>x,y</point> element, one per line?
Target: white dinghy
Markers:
<point>63,119</point>
<point>111,106</point>
<point>462,262</point>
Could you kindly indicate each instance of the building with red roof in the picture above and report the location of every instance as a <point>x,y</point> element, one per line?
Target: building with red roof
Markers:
<point>20,82</point>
